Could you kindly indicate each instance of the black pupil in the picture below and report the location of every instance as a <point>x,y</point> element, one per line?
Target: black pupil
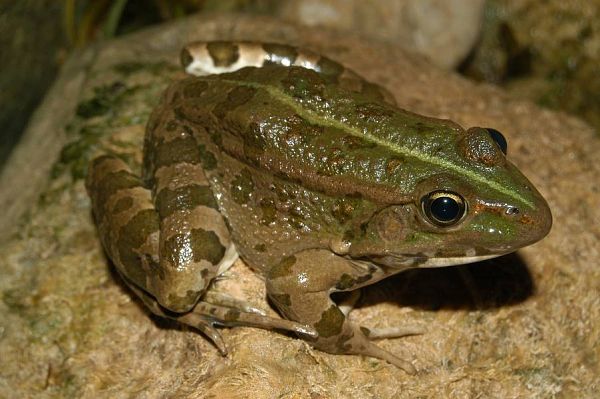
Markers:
<point>499,139</point>
<point>445,209</point>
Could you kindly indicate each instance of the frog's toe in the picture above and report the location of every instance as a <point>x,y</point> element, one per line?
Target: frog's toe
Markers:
<point>200,322</point>
<point>373,350</point>
<point>233,317</point>
<point>357,340</point>
<point>392,332</point>
<point>225,300</point>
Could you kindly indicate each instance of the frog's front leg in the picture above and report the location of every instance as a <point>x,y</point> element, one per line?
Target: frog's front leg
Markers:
<point>300,286</point>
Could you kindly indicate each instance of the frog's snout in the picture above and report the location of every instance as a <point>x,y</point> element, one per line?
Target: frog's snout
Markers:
<point>535,223</point>
<point>529,225</point>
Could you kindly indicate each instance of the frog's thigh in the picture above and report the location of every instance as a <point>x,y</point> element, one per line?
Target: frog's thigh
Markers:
<point>300,286</point>
<point>194,244</point>
<point>126,219</point>
<point>130,229</point>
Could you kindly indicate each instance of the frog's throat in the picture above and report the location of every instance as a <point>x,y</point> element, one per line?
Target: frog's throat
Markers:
<point>317,119</point>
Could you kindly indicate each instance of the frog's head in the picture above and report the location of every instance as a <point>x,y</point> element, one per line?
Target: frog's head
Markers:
<point>482,208</point>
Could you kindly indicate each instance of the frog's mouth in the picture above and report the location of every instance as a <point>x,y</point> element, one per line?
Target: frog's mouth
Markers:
<point>457,260</point>
<point>429,261</point>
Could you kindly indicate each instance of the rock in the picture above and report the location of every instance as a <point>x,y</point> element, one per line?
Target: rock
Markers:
<point>547,52</point>
<point>525,325</point>
<point>31,45</point>
<point>442,30</point>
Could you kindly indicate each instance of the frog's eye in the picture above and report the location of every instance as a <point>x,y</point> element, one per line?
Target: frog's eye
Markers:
<point>443,208</point>
<point>498,138</point>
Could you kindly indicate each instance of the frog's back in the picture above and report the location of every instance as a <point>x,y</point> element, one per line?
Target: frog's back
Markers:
<point>303,126</point>
<point>333,132</point>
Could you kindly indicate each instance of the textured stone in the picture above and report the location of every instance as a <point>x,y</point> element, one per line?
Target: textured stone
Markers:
<point>525,325</point>
<point>32,44</point>
<point>442,30</point>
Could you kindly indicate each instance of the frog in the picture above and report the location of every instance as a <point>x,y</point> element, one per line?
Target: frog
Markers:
<point>316,179</point>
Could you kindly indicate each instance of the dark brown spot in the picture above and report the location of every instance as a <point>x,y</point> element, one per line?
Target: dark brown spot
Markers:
<point>296,215</point>
<point>184,198</point>
<point>269,211</point>
<point>207,246</point>
<point>122,205</point>
<point>242,187</point>
<point>240,95</point>
<point>347,281</point>
<point>209,161</point>
<point>223,54</point>
<point>260,248</point>
<point>179,150</point>
<point>203,244</point>
<point>185,58</point>
<point>131,237</point>
<point>283,269</point>
<point>178,304</point>
<point>111,184</point>
<point>232,315</point>
<point>194,88</point>
<point>331,322</point>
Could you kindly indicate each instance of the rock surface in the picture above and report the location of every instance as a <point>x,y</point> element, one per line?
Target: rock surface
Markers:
<point>545,51</point>
<point>526,325</point>
<point>31,42</point>
<point>444,31</point>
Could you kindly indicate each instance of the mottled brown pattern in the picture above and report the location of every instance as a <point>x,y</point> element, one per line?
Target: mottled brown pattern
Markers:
<point>205,246</point>
<point>175,151</point>
<point>179,175</point>
<point>183,198</point>
<point>131,237</point>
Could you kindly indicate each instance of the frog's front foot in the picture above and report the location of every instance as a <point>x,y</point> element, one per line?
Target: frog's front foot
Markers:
<point>218,309</point>
<point>300,287</point>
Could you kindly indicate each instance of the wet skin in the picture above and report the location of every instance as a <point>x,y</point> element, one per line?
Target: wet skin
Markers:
<point>316,179</point>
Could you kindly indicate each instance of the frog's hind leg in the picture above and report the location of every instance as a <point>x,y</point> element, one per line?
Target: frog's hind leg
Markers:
<point>127,222</point>
<point>170,244</point>
<point>206,58</point>
<point>300,287</point>
<point>234,312</point>
<point>194,241</point>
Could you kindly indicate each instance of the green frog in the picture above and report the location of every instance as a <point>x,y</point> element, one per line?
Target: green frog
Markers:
<point>316,179</point>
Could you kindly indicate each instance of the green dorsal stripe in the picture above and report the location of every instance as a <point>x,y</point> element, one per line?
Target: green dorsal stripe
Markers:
<point>322,120</point>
